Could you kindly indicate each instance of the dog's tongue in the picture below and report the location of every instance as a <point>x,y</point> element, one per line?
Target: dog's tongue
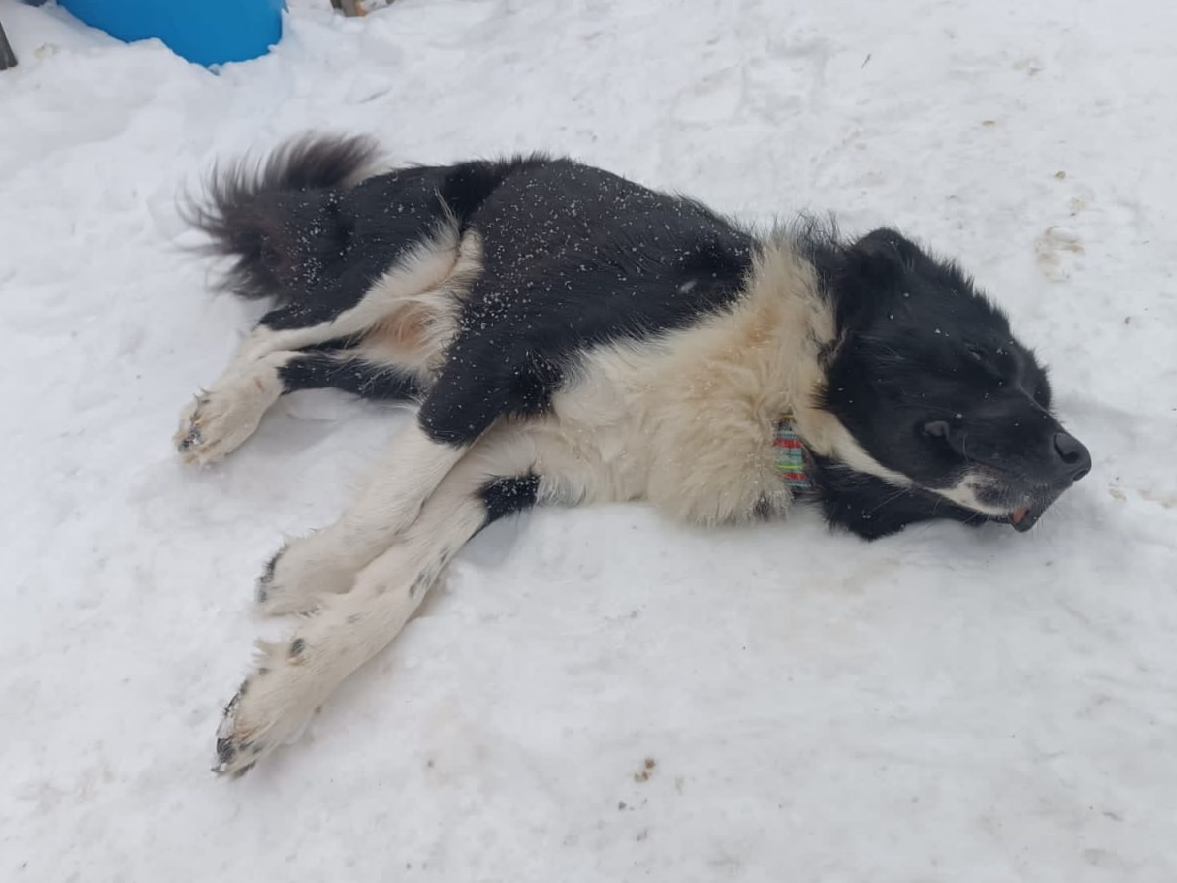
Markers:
<point>1018,514</point>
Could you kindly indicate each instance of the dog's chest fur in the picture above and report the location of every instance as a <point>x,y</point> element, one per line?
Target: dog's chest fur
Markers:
<point>686,419</point>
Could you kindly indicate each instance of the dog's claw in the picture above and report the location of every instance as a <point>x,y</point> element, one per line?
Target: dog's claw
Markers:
<point>191,440</point>
<point>228,745</point>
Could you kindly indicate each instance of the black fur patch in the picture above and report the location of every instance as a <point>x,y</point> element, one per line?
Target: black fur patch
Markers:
<point>317,369</point>
<point>506,496</point>
<point>254,211</point>
<point>577,257</point>
<point>262,590</point>
<point>316,249</point>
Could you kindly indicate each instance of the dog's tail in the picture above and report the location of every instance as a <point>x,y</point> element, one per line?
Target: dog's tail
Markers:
<point>276,219</point>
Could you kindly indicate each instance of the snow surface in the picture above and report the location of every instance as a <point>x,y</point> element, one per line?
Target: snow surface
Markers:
<point>949,705</point>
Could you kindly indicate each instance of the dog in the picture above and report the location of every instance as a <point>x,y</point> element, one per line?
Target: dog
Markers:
<point>570,337</point>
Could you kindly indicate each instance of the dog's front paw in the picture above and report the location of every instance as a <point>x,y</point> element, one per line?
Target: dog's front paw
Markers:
<point>299,576</point>
<point>271,708</point>
<point>219,421</point>
<point>188,436</point>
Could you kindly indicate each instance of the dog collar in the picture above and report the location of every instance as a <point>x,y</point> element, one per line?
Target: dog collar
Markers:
<point>790,455</point>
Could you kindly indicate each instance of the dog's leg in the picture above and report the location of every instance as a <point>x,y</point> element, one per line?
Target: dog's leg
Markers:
<point>326,561</point>
<point>342,312</point>
<point>221,419</point>
<point>350,371</point>
<point>293,679</point>
<point>460,407</point>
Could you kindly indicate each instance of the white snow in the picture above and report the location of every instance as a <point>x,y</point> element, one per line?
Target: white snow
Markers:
<point>949,705</point>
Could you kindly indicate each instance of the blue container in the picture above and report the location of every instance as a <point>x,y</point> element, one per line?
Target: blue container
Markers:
<point>203,31</point>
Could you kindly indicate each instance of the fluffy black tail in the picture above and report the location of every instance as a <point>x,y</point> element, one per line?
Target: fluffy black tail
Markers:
<point>274,217</point>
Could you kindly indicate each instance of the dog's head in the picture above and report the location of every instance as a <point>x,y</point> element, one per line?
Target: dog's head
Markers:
<point>929,380</point>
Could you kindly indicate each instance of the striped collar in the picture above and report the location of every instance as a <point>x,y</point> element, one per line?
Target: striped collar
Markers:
<point>791,462</point>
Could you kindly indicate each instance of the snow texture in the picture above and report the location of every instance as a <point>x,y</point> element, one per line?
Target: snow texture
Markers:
<point>595,695</point>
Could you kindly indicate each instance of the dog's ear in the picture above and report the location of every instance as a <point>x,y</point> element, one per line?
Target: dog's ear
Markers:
<point>874,264</point>
<point>883,253</point>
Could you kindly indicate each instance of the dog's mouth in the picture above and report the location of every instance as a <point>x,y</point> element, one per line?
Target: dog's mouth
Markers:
<point>1025,518</point>
<point>1018,506</point>
<point>1026,515</point>
<point>1026,494</point>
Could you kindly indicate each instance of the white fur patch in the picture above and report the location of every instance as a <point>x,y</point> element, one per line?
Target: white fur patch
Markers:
<point>831,438</point>
<point>416,327</point>
<point>424,268</point>
<point>965,493</point>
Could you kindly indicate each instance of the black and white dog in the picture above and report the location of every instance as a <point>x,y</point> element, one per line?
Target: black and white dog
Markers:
<point>573,337</point>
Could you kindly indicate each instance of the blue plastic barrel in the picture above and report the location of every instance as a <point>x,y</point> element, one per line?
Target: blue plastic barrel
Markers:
<point>203,31</point>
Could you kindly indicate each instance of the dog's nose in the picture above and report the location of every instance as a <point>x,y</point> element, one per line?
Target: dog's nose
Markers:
<point>1076,460</point>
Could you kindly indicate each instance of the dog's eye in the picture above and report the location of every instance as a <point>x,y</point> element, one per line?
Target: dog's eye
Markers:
<point>936,428</point>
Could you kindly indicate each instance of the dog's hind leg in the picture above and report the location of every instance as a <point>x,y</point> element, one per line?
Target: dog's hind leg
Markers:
<point>355,304</point>
<point>221,419</point>
<point>292,679</point>
<point>225,415</point>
